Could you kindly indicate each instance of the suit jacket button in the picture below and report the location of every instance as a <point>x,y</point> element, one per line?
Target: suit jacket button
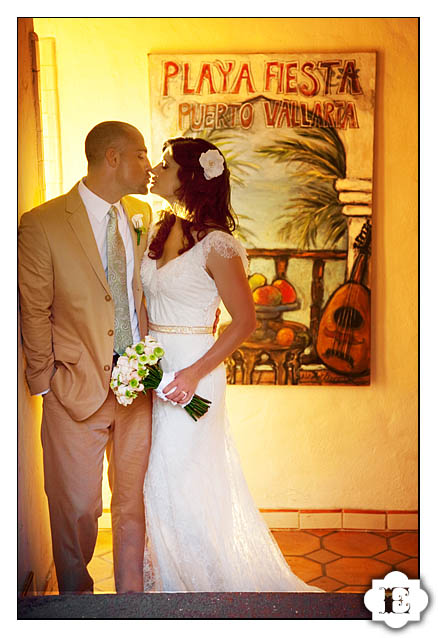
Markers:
<point>106,368</point>
<point>110,333</point>
<point>107,297</point>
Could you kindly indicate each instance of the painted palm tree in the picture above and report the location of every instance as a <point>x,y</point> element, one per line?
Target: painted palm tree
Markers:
<point>239,169</point>
<point>316,212</point>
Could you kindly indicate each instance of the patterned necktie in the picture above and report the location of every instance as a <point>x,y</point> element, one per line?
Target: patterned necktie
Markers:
<point>118,284</point>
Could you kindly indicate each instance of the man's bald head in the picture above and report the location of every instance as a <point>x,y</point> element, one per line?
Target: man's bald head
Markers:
<point>107,135</point>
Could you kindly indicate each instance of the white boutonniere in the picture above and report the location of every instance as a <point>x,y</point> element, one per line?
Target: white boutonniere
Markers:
<point>137,222</point>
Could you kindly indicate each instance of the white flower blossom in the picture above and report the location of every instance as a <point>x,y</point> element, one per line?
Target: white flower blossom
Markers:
<point>212,162</point>
<point>115,373</point>
<point>123,363</point>
<point>125,400</point>
<point>137,221</point>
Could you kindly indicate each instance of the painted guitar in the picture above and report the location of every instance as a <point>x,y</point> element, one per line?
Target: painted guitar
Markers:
<point>343,342</point>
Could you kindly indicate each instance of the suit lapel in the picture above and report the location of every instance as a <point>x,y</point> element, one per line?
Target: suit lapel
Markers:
<point>134,240</point>
<point>138,254</point>
<point>80,223</point>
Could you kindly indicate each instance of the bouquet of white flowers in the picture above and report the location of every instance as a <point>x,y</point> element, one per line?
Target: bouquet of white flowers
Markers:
<point>138,370</point>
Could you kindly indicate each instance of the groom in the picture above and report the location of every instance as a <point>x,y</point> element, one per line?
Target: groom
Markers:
<point>82,303</point>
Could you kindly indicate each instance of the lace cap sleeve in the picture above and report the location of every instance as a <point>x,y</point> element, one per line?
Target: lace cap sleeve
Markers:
<point>225,245</point>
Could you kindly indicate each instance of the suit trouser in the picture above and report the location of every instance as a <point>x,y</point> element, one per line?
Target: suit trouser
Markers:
<point>73,454</point>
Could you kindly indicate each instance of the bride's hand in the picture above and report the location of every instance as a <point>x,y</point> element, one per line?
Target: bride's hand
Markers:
<point>183,387</point>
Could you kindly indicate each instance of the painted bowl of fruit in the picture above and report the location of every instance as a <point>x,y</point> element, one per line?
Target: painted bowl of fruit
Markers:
<point>272,300</point>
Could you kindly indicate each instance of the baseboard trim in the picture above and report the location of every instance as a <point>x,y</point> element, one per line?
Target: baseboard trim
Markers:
<point>339,518</point>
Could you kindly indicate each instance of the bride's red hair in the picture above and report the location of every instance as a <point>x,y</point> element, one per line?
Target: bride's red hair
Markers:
<point>207,203</point>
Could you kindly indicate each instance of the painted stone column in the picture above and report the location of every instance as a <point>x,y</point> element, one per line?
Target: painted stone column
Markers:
<point>356,196</point>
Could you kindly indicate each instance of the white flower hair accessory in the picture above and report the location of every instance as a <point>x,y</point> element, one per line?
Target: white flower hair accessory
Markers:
<point>212,162</point>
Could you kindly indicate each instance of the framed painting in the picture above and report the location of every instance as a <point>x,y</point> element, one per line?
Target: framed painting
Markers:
<point>297,133</point>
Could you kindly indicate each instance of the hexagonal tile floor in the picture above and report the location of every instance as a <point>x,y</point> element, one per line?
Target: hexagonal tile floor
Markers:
<point>336,561</point>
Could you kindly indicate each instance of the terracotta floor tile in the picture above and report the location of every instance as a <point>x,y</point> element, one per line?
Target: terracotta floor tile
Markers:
<point>105,587</point>
<point>408,567</point>
<point>108,557</point>
<point>357,571</point>
<point>104,542</point>
<point>296,543</point>
<point>355,543</point>
<point>320,532</point>
<point>406,543</point>
<point>322,556</point>
<point>305,569</point>
<point>100,569</point>
<point>345,557</point>
<point>390,557</point>
<point>327,584</point>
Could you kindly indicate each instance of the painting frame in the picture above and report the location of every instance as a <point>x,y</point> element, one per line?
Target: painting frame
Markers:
<point>297,131</point>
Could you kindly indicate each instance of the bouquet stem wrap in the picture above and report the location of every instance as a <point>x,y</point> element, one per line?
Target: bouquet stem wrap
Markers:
<point>167,378</point>
<point>139,370</point>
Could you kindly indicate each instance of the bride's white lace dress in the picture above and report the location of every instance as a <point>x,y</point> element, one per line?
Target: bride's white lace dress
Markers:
<point>204,530</point>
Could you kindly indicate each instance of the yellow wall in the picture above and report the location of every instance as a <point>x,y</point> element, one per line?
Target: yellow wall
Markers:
<point>35,553</point>
<point>300,446</point>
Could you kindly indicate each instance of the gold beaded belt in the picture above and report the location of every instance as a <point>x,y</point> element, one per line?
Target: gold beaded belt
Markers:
<point>188,330</point>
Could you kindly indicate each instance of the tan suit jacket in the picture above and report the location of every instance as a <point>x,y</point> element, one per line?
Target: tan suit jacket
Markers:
<point>67,312</point>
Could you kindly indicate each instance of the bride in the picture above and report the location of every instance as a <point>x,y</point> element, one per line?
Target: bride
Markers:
<point>204,530</point>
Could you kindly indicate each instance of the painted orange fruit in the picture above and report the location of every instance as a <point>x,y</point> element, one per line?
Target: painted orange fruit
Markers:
<point>285,336</point>
<point>267,296</point>
<point>288,294</point>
